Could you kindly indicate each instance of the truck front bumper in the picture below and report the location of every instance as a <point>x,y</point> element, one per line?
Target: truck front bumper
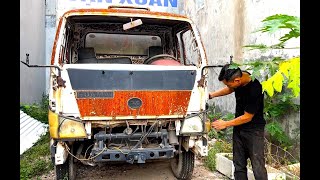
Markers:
<point>131,156</point>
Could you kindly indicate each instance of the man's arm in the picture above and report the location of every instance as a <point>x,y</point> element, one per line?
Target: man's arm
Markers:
<point>221,92</point>
<point>220,124</point>
<point>246,117</point>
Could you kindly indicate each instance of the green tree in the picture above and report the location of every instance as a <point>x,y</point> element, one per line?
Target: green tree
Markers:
<point>280,76</point>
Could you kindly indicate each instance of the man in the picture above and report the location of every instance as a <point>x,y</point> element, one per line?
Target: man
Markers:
<point>248,125</point>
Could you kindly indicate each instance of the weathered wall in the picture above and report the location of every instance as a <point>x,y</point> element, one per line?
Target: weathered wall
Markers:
<point>215,21</point>
<point>32,41</point>
<point>226,26</point>
<point>50,31</point>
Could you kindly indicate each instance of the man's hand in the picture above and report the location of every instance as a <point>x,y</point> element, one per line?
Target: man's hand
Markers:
<point>210,97</point>
<point>219,124</point>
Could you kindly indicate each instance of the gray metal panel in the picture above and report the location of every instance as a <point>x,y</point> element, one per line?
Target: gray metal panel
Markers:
<point>90,94</point>
<point>30,131</point>
<point>83,79</point>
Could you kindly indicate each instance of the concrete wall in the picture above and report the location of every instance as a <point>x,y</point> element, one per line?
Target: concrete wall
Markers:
<point>227,25</point>
<point>215,21</point>
<point>50,31</point>
<point>32,41</point>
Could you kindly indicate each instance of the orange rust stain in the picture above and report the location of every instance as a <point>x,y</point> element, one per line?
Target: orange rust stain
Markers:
<point>205,53</point>
<point>55,42</point>
<point>154,103</point>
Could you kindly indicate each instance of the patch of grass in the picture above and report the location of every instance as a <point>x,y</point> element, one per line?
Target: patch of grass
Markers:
<point>218,147</point>
<point>36,160</point>
<point>38,111</point>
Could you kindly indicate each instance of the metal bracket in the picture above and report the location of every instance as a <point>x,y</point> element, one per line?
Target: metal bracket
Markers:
<point>39,66</point>
<point>201,81</point>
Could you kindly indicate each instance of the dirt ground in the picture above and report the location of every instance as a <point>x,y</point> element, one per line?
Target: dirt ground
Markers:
<point>159,170</point>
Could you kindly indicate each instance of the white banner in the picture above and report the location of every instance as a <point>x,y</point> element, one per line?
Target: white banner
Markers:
<point>153,5</point>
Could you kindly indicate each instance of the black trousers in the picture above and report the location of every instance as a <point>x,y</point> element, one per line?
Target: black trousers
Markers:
<point>249,144</point>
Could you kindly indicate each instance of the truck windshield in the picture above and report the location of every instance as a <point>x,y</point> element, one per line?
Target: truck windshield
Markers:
<point>121,44</point>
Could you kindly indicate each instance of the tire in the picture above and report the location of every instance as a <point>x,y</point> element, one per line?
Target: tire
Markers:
<point>182,165</point>
<point>67,170</point>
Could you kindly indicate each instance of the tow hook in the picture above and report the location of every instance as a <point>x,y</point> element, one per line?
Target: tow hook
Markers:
<point>140,157</point>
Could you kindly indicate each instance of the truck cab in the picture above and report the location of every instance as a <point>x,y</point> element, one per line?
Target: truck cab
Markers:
<point>126,86</point>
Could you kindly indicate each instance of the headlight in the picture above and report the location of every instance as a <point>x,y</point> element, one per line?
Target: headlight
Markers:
<point>192,125</point>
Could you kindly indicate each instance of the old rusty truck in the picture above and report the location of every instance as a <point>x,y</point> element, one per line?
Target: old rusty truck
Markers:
<point>126,85</point>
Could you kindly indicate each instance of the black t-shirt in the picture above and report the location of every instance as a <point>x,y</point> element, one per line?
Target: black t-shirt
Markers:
<point>250,98</point>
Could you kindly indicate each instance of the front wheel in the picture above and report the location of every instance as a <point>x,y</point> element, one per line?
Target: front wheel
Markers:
<point>182,165</point>
<point>67,170</point>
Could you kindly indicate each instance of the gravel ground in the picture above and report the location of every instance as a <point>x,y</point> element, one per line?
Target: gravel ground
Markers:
<point>159,170</point>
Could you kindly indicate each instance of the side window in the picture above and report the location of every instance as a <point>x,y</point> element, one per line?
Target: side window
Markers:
<point>62,47</point>
<point>65,48</point>
<point>190,51</point>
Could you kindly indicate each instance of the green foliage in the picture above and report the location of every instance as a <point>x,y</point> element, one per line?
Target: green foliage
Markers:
<point>280,72</point>
<point>275,108</point>
<point>233,65</point>
<point>225,134</point>
<point>288,73</point>
<point>261,47</point>
<point>36,160</point>
<point>218,147</point>
<point>277,134</point>
<point>214,116</point>
<point>277,22</point>
<point>279,105</point>
<point>38,111</point>
<point>228,116</point>
<point>274,23</point>
<point>281,80</point>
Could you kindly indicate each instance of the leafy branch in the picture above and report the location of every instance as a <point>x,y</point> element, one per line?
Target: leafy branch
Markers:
<point>278,72</point>
<point>274,23</point>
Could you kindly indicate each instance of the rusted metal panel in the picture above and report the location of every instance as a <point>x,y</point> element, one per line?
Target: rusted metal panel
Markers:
<point>154,103</point>
<point>54,48</point>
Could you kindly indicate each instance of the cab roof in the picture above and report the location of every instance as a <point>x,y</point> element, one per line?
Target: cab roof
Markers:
<point>126,13</point>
